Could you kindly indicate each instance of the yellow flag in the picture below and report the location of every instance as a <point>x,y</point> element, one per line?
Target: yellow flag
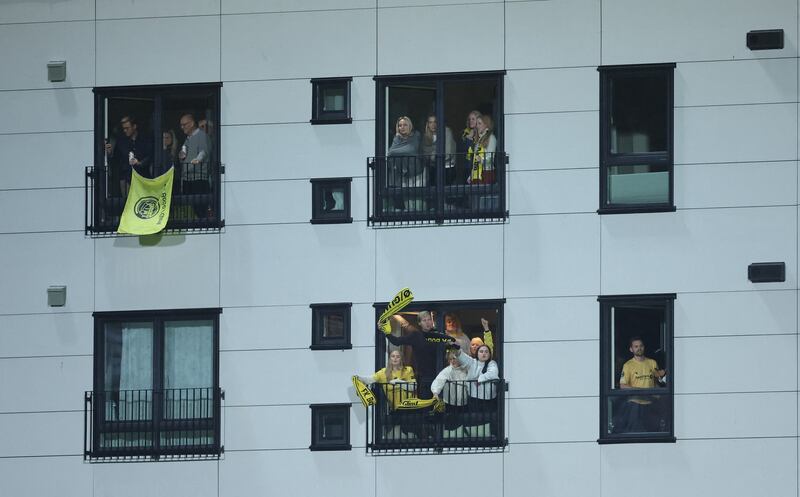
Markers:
<point>147,208</point>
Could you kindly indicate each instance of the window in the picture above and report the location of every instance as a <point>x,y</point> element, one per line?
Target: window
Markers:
<point>439,149</point>
<point>150,129</point>
<point>474,416</point>
<point>330,427</point>
<point>330,200</point>
<point>331,98</point>
<point>636,368</point>
<point>156,384</point>
<point>636,138</point>
<point>330,326</point>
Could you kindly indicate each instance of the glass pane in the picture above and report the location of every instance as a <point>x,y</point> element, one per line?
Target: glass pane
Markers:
<point>638,113</point>
<point>640,353</point>
<point>129,141</point>
<point>333,199</point>
<point>332,427</point>
<point>333,98</point>
<point>639,414</point>
<point>470,112</point>
<point>188,369</point>
<point>639,184</point>
<point>332,325</point>
<point>128,371</point>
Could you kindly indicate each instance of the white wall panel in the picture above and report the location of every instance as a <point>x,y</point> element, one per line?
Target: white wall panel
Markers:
<point>60,209</point>
<point>553,420</point>
<point>115,9</point>
<point>293,376</point>
<point>552,470</point>
<point>701,250</point>
<point>743,82</point>
<point>448,475</point>
<point>445,263</point>
<point>62,10</point>
<point>176,272</point>
<point>552,191</point>
<point>736,415</point>
<point>736,185</point>
<point>551,141</point>
<point>703,467</point>
<point>298,45</point>
<point>297,264</point>
<point>251,6</point>
<point>41,434</point>
<point>435,39</point>
<point>46,334</point>
<point>37,261</point>
<point>736,313</point>
<point>29,47</point>
<point>557,318</point>
<point>407,3</point>
<point>44,384</point>
<point>552,34</point>
<point>297,472</point>
<point>551,369</point>
<point>56,110</point>
<point>552,256</point>
<point>66,476</point>
<point>297,151</point>
<point>166,50</point>
<point>46,161</point>
<point>736,364</point>
<point>551,90</point>
<point>281,201</point>
<point>686,30</point>
<point>164,479</point>
<point>743,133</point>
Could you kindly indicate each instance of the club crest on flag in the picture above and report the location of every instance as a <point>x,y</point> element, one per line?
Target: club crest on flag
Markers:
<point>147,207</point>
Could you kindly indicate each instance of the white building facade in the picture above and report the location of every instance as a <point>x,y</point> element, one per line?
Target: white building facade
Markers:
<point>552,266</point>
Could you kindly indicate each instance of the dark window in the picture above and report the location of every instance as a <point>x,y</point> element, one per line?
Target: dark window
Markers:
<point>150,129</point>
<point>330,326</point>
<point>330,427</point>
<point>439,149</point>
<point>636,368</point>
<point>156,385</point>
<point>331,98</point>
<point>636,138</point>
<point>473,417</point>
<point>330,201</point>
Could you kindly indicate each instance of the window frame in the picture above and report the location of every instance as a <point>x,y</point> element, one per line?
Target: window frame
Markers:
<point>320,116</point>
<point>318,216</point>
<point>607,370</point>
<point>157,318</point>
<point>317,415</point>
<point>607,159</point>
<point>318,313</point>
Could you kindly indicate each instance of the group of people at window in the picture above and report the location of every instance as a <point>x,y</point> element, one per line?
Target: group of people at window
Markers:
<point>412,155</point>
<point>468,385</point>
<point>133,149</point>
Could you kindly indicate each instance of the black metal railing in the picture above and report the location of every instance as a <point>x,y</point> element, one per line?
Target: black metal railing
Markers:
<point>437,188</point>
<point>196,198</point>
<point>182,422</point>
<point>473,419</point>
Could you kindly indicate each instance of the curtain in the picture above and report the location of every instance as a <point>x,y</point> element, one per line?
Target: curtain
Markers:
<point>188,369</point>
<point>129,371</point>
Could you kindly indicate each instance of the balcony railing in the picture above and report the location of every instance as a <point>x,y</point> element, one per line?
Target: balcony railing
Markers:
<point>196,200</point>
<point>473,420</point>
<point>447,188</point>
<point>134,424</point>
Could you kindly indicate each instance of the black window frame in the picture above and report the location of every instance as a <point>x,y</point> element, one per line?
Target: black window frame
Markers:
<point>318,313</point>
<point>608,372</point>
<point>608,159</point>
<point>318,413</point>
<point>99,425</point>
<point>318,214</point>
<point>100,216</point>
<point>318,114</point>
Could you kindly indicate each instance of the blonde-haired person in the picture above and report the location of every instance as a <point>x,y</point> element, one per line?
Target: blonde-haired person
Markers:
<point>452,327</point>
<point>451,386</point>
<point>396,379</point>
<point>481,155</point>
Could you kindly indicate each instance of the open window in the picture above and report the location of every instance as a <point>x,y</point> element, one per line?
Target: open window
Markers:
<point>439,149</point>
<point>636,138</point>
<point>636,368</point>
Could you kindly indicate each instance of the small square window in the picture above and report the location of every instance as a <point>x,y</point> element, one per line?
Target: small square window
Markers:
<point>331,101</point>
<point>330,327</point>
<point>330,201</point>
<point>330,427</point>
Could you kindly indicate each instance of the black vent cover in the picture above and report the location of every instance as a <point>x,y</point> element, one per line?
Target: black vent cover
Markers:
<point>765,39</point>
<point>766,272</point>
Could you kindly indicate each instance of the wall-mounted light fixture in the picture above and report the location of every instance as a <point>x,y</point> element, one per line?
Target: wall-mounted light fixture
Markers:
<point>56,70</point>
<point>57,296</point>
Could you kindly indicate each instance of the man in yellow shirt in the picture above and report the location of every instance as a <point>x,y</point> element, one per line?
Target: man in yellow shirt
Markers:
<point>639,372</point>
